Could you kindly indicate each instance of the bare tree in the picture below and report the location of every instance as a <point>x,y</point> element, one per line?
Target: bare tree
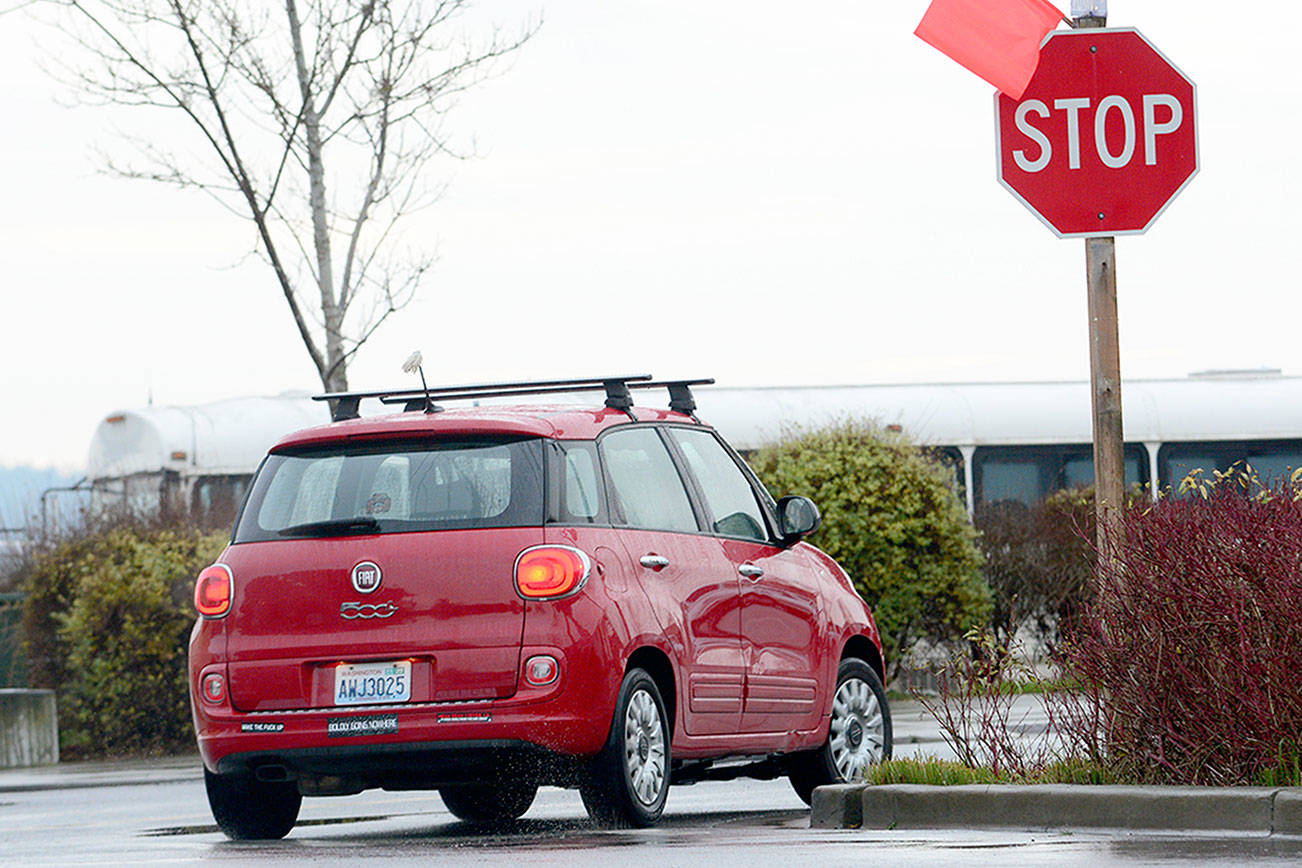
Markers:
<point>315,122</point>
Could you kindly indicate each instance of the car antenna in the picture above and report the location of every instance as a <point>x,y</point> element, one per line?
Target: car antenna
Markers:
<point>413,366</point>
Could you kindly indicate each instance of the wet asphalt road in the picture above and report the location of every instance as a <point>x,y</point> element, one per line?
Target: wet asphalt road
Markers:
<point>743,823</point>
<point>740,823</point>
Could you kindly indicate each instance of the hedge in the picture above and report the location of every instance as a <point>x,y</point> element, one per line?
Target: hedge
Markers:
<point>106,625</point>
<point>894,522</point>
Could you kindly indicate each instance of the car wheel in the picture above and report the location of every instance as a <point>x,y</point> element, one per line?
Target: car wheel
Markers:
<point>490,804</point>
<point>247,808</point>
<point>626,784</point>
<point>859,735</point>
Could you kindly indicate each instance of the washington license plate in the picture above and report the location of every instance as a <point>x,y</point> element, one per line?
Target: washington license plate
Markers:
<point>369,683</point>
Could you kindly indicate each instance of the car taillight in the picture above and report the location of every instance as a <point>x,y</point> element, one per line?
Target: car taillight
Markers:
<point>548,572</point>
<point>213,591</point>
<point>214,688</point>
<point>541,670</point>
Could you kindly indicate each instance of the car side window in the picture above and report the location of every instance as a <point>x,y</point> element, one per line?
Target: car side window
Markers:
<point>727,492</point>
<point>646,487</point>
<point>581,485</point>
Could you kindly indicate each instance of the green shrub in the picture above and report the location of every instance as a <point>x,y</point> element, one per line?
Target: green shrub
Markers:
<point>893,522</point>
<point>107,622</point>
<point>48,579</point>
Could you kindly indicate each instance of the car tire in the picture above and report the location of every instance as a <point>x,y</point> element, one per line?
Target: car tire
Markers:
<point>627,783</point>
<point>859,734</point>
<point>248,809</point>
<point>489,804</point>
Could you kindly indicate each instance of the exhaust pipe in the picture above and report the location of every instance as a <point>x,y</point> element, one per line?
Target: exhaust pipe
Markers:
<point>273,773</point>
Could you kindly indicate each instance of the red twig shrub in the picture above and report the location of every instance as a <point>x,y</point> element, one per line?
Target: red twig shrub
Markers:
<point>1038,561</point>
<point>1193,647</point>
<point>977,707</point>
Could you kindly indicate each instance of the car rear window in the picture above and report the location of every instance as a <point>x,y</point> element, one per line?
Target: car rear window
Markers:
<point>395,487</point>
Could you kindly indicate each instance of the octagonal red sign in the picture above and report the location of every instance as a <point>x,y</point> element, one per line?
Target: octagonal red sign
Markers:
<point>1104,137</point>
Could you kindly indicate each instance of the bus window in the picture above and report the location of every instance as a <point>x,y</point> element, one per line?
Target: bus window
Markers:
<point>1176,467</point>
<point>1029,474</point>
<point>1079,470</point>
<point>1005,478</point>
<point>1271,459</point>
<point>1274,466</point>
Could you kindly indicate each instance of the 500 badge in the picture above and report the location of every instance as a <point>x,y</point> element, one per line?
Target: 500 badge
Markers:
<point>367,610</point>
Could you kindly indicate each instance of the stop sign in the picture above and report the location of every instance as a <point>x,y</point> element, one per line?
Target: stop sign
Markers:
<point>1103,138</point>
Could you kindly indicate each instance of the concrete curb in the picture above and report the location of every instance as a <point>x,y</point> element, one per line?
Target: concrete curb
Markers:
<point>1265,810</point>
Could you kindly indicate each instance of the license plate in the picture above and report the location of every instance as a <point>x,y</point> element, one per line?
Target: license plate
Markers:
<point>369,683</point>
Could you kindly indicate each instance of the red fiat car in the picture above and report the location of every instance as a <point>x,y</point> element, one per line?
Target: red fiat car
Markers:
<point>484,600</point>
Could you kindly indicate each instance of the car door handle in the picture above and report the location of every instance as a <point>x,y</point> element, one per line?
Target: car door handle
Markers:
<point>654,562</point>
<point>750,571</point>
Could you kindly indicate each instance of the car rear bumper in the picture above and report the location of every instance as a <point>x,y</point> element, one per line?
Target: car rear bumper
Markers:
<point>342,770</point>
<point>547,729</point>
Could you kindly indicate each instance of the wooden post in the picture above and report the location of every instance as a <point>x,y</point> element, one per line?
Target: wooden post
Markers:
<point>1105,383</point>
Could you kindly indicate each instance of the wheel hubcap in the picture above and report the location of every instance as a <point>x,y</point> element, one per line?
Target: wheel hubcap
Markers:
<point>644,748</point>
<point>854,734</point>
<point>858,729</point>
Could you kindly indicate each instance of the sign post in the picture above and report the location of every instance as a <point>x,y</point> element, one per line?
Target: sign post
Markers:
<point>1101,141</point>
<point>1105,385</point>
<point>1105,392</point>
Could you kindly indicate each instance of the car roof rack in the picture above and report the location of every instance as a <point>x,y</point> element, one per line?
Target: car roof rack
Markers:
<point>617,388</point>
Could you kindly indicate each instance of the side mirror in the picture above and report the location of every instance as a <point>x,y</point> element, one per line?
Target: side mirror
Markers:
<point>798,517</point>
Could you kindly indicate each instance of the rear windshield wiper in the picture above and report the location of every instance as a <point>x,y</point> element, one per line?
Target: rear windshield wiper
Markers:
<point>357,524</point>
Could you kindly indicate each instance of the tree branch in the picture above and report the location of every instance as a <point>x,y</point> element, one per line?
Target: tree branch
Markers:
<point>341,154</point>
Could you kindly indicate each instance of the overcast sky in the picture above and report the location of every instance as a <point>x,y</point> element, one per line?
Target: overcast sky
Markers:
<point>763,192</point>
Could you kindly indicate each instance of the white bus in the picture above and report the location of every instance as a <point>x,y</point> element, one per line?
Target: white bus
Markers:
<point>197,459</point>
<point>1023,441</point>
<point>1005,441</point>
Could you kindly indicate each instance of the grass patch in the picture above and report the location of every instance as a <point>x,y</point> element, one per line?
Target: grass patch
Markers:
<point>946,773</point>
<point>1287,772</point>
<point>1031,686</point>
<point>1076,771</point>
<point>936,772</point>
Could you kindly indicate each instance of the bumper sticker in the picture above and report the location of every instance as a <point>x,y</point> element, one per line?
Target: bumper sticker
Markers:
<point>374,725</point>
<point>262,727</point>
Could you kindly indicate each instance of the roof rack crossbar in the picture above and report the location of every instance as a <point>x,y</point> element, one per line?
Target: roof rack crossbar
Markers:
<point>502,393</point>
<point>616,388</point>
<point>346,403</point>
<point>590,382</point>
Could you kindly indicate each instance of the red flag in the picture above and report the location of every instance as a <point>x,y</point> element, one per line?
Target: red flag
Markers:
<point>999,40</point>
